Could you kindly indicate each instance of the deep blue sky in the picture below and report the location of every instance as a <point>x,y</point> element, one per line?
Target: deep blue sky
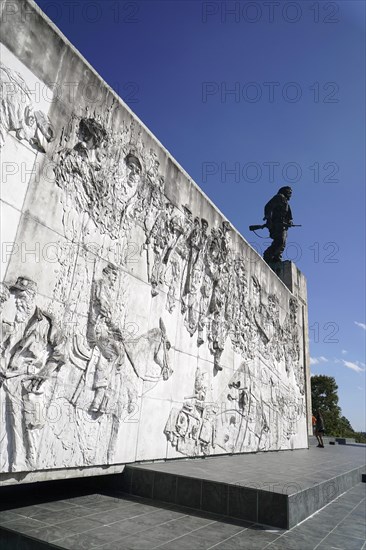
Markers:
<point>160,55</point>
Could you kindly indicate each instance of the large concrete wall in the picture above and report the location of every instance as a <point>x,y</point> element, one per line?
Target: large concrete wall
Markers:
<point>137,324</point>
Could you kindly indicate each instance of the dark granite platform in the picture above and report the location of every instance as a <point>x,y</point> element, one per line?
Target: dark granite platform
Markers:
<point>108,522</point>
<point>279,489</point>
<point>275,488</point>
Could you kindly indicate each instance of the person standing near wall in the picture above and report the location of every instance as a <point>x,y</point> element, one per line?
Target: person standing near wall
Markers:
<point>313,423</point>
<point>319,429</point>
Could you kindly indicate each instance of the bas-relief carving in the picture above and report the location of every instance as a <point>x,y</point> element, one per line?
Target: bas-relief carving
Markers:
<point>260,408</point>
<point>91,377</point>
<point>259,411</point>
<point>18,115</point>
<point>112,187</point>
<point>32,349</point>
<point>192,429</point>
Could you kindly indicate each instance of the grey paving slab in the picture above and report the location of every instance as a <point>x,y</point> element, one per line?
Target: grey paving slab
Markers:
<point>7,515</point>
<point>341,542</point>
<point>24,525</point>
<point>248,539</point>
<point>352,528</point>
<point>177,528</point>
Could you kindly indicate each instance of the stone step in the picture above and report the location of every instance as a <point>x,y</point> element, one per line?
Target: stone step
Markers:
<point>274,508</point>
<point>345,440</point>
<point>330,439</point>
<point>271,501</point>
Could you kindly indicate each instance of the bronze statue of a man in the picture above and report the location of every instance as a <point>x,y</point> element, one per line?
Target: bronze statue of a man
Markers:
<point>278,217</point>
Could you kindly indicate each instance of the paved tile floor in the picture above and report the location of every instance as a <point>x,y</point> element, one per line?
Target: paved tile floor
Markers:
<point>123,522</point>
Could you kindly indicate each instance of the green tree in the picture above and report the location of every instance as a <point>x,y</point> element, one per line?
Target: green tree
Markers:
<point>344,428</point>
<point>325,398</point>
<point>360,437</point>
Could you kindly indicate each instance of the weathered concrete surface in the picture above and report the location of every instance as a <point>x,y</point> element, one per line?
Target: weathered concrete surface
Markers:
<point>136,322</point>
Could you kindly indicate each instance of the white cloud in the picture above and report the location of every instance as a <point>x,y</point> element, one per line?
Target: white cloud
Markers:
<point>344,352</point>
<point>362,325</point>
<point>360,388</point>
<point>353,366</point>
<point>317,360</point>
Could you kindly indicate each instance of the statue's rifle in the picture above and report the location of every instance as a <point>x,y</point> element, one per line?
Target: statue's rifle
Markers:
<point>255,228</point>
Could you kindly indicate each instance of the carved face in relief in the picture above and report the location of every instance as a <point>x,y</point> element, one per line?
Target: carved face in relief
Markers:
<point>154,169</point>
<point>110,274</point>
<point>156,193</point>
<point>226,228</point>
<point>24,303</point>
<point>112,277</point>
<point>169,208</point>
<point>187,216</point>
<point>273,306</point>
<point>26,125</point>
<point>24,293</point>
<point>91,134</point>
<point>293,306</point>
<point>134,170</point>
<point>85,137</point>
<point>240,274</point>
<point>232,421</point>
